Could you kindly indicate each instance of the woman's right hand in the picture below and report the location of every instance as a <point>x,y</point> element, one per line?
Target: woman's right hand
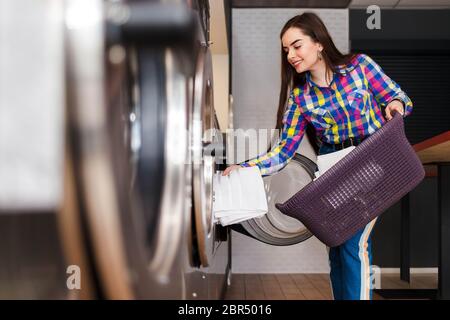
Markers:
<point>230,168</point>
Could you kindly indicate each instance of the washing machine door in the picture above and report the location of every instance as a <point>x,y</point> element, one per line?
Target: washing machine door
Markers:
<point>204,135</point>
<point>129,107</point>
<point>276,228</point>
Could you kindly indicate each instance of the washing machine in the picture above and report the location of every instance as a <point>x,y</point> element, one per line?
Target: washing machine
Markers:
<point>210,243</point>
<point>142,109</point>
<point>275,228</point>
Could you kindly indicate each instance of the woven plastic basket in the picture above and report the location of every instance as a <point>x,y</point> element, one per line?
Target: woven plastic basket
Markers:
<point>361,186</point>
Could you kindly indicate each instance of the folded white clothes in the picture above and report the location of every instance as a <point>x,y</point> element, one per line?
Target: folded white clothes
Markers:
<point>326,161</point>
<point>239,196</point>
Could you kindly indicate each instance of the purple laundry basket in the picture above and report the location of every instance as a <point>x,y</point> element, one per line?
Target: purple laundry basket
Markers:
<point>361,186</point>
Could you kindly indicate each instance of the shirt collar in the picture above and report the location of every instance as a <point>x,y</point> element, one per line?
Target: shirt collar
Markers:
<point>309,81</point>
<point>341,70</point>
<point>312,84</point>
<point>344,69</point>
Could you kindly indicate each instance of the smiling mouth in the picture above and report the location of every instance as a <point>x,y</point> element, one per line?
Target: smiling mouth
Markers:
<point>297,63</point>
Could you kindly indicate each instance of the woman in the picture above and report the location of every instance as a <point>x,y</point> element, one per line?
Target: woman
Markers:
<point>341,97</point>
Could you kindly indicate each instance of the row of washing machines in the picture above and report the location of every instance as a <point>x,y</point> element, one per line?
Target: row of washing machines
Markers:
<point>140,145</point>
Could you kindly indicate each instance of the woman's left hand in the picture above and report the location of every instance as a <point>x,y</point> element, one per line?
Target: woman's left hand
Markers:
<point>394,105</point>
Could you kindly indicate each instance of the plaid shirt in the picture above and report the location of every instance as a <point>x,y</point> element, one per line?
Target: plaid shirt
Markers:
<point>350,107</point>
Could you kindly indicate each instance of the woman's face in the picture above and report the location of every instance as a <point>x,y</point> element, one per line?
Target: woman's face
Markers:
<point>301,50</point>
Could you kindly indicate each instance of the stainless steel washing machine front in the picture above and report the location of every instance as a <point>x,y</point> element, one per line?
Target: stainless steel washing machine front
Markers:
<point>129,105</point>
<point>210,243</point>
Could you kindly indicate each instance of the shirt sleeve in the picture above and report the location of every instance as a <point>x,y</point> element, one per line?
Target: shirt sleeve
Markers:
<point>294,124</point>
<point>384,88</point>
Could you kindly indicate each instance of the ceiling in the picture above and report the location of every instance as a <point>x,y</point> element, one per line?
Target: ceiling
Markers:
<point>353,4</point>
<point>401,4</point>
<point>290,3</point>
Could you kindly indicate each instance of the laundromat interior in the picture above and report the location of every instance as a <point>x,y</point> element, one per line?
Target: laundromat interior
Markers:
<point>117,117</point>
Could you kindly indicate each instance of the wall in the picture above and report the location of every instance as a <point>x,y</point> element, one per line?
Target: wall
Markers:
<point>220,59</point>
<point>402,24</point>
<point>221,88</point>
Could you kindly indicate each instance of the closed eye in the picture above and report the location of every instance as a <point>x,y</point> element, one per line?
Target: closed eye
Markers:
<point>296,48</point>
<point>287,50</point>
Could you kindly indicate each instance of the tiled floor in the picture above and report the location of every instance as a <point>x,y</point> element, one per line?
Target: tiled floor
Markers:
<point>308,286</point>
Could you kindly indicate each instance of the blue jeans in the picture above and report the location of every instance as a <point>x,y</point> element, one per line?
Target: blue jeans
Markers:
<point>350,262</point>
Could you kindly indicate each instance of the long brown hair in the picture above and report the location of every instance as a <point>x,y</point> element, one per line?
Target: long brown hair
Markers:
<point>311,25</point>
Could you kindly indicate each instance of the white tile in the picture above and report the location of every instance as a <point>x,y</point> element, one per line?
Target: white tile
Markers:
<point>252,256</point>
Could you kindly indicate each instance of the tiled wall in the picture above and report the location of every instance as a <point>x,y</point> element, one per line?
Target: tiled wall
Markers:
<point>255,88</point>
<point>253,256</point>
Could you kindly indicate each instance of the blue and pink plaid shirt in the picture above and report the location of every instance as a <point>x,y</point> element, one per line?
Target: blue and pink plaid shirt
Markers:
<point>349,107</point>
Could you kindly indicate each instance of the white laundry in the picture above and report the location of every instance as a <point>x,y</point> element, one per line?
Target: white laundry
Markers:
<point>326,161</point>
<point>239,196</point>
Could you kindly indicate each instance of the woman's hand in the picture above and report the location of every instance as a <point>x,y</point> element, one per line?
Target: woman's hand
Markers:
<point>230,168</point>
<point>394,105</point>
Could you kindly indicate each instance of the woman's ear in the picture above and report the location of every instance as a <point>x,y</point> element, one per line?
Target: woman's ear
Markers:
<point>319,46</point>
